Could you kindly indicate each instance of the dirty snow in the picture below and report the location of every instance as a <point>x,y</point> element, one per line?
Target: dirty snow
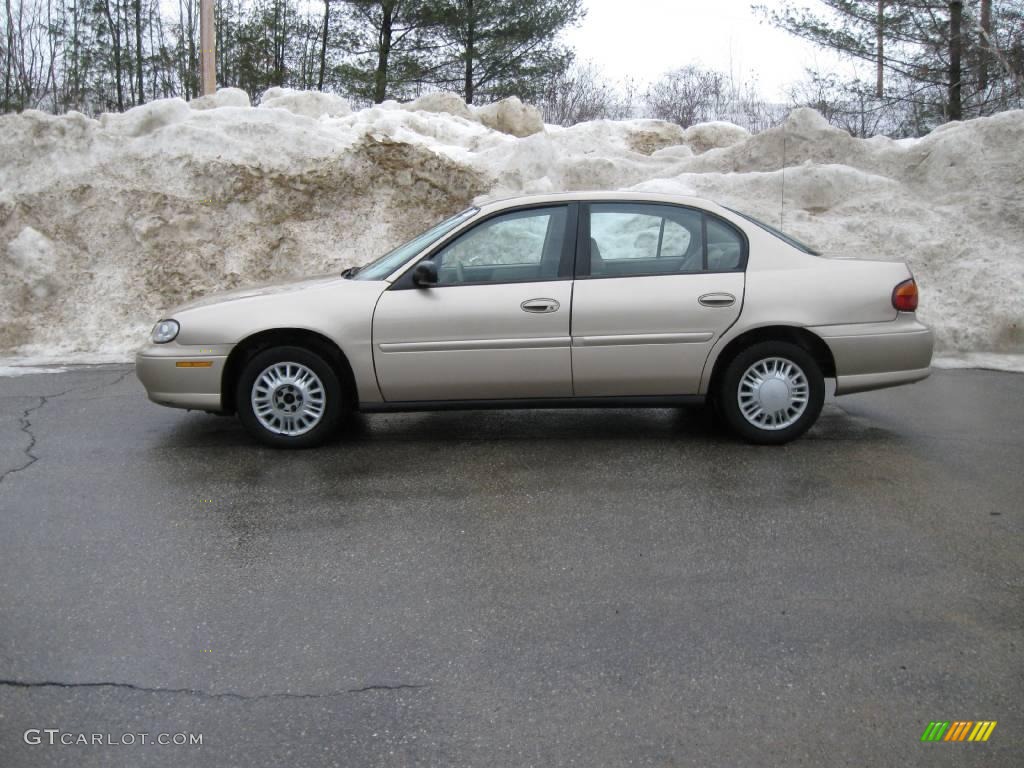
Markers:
<point>10,372</point>
<point>105,224</point>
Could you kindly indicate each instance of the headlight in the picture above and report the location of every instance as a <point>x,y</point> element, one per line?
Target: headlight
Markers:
<point>165,330</point>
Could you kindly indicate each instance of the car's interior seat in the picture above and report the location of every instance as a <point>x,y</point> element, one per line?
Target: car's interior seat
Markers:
<point>723,256</point>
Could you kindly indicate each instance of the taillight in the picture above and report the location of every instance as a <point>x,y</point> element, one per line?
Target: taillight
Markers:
<point>904,296</point>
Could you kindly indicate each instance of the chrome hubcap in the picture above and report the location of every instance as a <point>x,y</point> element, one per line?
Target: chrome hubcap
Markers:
<point>773,393</point>
<point>288,399</point>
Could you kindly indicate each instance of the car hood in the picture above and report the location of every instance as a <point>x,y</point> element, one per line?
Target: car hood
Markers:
<point>269,289</point>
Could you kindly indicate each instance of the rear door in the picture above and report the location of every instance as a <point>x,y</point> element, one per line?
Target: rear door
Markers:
<point>656,286</point>
<point>496,326</point>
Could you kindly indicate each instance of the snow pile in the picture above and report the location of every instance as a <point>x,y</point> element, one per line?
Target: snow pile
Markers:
<point>104,224</point>
<point>508,116</point>
<point>311,104</point>
<point>225,97</point>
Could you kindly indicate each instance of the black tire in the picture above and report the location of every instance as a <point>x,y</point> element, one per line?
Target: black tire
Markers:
<point>334,401</point>
<point>727,394</point>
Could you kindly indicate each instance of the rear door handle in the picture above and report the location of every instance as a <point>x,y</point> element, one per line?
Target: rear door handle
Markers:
<point>540,306</point>
<point>717,300</point>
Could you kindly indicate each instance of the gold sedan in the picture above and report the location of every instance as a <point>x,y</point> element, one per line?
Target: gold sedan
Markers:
<point>569,300</point>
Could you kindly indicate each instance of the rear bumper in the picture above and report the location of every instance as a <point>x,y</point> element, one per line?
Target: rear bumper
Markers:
<point>878,355</point>
<point>169,374</point>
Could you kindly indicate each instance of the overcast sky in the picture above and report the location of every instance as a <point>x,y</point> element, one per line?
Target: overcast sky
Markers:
<point>644,38</point>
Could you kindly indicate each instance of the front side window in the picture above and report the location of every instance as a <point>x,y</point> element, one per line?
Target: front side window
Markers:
<point>522,246</point>
<point>640,239</point>
<point>389,262</point>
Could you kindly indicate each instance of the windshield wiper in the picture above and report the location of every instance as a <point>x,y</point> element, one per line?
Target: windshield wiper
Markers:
<point>348,273</point>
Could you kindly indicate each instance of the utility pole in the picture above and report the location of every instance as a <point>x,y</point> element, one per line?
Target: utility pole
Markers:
<point>207,59</point>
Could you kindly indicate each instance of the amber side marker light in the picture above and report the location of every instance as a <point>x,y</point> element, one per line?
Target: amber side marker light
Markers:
<point>193,364</point>
<point>904,296</point>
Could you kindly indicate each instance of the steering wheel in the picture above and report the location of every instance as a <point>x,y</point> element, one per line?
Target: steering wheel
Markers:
<point>460,273</point>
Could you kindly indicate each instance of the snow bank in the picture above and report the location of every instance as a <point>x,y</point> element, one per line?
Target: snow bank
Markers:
<point>106,223</point>
<point>307,103</point>
<point>13,371</point>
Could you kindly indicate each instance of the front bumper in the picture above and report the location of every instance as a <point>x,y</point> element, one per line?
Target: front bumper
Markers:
<point>171,377</point>
<point>878,355</point>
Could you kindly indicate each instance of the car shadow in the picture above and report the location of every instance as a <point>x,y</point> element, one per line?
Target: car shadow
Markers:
<point>698,424</point>
<point>581,424</point>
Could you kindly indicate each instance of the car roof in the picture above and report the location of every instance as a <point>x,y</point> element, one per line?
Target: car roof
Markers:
<point>490,204</point>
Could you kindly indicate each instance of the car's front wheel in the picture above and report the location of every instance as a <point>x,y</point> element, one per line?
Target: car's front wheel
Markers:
<point>289,397</point>
<point>771,392</point>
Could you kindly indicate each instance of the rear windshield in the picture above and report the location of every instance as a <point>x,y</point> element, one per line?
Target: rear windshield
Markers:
<point>788,239</point>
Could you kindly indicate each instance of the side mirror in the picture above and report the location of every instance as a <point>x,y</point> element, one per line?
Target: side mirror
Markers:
<point>424,274</point>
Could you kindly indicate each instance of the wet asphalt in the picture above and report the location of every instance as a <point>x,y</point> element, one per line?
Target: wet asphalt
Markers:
<point>528,588</point>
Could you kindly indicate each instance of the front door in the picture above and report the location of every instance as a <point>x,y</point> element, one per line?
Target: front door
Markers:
<point>660,285</point>
<point>496,326</point>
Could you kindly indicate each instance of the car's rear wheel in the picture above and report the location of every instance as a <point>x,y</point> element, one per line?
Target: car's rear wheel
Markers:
<point>289,397</point>
<point>771,392</point>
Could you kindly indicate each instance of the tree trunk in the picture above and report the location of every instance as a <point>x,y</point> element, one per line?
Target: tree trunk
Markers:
<point>280,38</point>
<point>8,63</point>
<point>127,64</point>
<point>155,49</point>
<point>986,43</point>
<point>193,58</point>
<point>880,84</point>
<point>470,34</point>
<point>380,77</point>
<point>73,90</point>
<point>323,45</point>
<point>956,9</point>
<point>138,50</point>
<point>115,37</point>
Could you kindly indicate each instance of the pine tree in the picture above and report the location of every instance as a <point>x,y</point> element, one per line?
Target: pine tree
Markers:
<point>932,56</point>
<point>390,44</point>
<point>503,48</point>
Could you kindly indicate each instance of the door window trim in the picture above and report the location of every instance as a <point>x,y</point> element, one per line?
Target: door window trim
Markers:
<point>582,260</point>
<point>566,262</point>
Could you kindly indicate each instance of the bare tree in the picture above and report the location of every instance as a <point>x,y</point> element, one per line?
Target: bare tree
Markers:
<point>687,96</point>
<point>582,93</point>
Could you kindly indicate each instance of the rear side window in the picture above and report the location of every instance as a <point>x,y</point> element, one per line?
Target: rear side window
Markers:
<point>635,239</point>
<point>787,239</point>
<point>725,246</point>
<point>631,239</point>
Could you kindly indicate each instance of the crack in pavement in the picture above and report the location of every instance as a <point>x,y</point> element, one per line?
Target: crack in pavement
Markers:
<point>26,423</point>
<point>207,694</point>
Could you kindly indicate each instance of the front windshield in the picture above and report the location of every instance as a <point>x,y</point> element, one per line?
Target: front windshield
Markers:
<point>389,262</point>
<point>788,239</point>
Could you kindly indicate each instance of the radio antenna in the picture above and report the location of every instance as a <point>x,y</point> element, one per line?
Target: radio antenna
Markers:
<point>782,207</point>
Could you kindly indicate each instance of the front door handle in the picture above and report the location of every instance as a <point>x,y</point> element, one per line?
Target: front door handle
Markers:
<point>717,300</point>
<point>540,306</point>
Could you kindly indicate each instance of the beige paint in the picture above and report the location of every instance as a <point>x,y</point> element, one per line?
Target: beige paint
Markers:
<point>473,342</point>
<point>647,335</point>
